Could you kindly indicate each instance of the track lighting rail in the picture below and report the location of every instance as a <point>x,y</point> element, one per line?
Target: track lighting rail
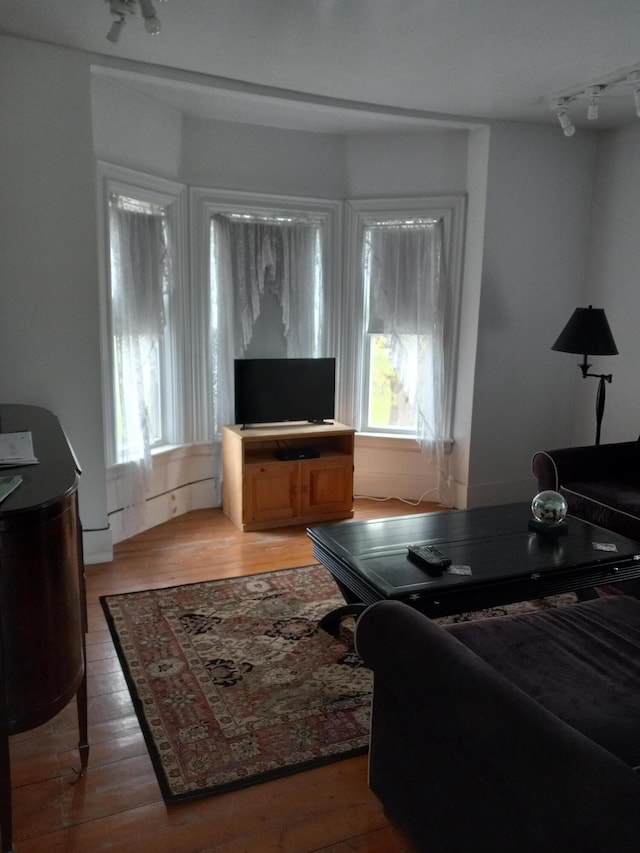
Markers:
<point>593,93</point>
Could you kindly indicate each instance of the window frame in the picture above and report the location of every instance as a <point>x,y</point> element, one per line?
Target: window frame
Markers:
<point>359,214</point>
<point>203,204</point>
<point>175,390</point>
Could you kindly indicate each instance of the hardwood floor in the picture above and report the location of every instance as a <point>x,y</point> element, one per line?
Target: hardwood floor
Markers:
<point>116,805</point>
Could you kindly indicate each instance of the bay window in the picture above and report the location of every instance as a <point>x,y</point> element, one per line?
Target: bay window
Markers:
<point>266,281</point>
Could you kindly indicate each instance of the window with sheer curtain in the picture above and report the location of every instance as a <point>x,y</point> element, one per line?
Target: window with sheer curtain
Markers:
<point>143,339</point>
<point>408,323</point>
<point>405,294</point>
<point>266,292</point>
<point>141,282</point>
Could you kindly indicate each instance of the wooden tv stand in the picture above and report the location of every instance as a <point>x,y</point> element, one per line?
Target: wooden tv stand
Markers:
<point>260,491</point>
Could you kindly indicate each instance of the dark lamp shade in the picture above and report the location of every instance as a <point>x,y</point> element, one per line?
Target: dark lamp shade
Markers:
<point>587,332</point>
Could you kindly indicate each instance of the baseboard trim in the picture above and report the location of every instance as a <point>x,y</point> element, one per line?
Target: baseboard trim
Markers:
<point>492,494</point>
<point>161,508</point>
<point>97,546</point>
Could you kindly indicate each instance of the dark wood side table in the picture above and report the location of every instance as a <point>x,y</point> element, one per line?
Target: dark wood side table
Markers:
<point>43,620</point>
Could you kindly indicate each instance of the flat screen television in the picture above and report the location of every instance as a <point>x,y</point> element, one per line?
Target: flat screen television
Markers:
<point>273,390</point>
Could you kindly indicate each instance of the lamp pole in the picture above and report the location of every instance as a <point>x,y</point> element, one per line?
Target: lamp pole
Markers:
<point>601,394</point>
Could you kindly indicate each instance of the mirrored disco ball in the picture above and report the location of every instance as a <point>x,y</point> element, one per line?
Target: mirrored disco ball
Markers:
<point>549,507</point>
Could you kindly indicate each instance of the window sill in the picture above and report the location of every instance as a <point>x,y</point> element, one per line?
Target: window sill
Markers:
<point>179,451</point>
<point>167,452</point>
<point>388,441</point>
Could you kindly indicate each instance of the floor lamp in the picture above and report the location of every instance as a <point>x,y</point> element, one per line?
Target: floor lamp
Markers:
<point>588,332</point>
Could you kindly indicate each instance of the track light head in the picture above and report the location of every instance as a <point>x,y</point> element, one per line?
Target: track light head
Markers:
<point>121,8</point>
<point>593,93</point>
<point>116,29</point>
<point>566,124</point>
<point>560,106</point>
<point>152,25</point>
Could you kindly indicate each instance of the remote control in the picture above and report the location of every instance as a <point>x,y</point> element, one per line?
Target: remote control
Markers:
<point>428,557</point>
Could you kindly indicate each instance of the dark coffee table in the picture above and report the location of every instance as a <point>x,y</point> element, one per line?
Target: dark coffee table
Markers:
<point>496,559</point>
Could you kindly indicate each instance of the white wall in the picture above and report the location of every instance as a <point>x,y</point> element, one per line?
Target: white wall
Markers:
<point>133,130</point>
<point>613,283</point>
<point>49,332</point>
<point>406,163</point>
<point>230,155</point>
<point>477,176</point>
<point>536,228</point>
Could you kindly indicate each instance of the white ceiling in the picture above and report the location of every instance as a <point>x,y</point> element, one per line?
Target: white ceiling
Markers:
<point>356,64</point>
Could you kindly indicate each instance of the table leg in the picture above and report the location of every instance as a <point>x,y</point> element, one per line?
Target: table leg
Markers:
<point>353,607</point>
<point>331,621</point>
<point>82,705</point>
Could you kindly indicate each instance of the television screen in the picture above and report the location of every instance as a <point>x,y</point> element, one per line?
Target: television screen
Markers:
<point>272,390</point>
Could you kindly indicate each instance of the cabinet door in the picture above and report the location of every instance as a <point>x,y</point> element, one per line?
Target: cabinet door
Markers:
<point>271,492</point>
<point>327,485</point>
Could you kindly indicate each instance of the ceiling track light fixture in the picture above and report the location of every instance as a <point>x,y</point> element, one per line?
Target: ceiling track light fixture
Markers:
<point>593,93</point>
<point>119,9</point>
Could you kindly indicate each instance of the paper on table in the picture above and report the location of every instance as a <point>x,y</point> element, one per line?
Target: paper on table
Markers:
<point>8,485</point>
<point>16,448</point>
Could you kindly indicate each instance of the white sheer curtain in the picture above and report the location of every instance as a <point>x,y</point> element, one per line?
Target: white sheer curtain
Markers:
<point>140,273</point>
<point>249,256</point>
<point>408,300</point>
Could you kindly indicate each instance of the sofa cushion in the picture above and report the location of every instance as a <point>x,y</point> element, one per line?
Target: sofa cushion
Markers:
<point>581,662</point>
<point>612,504</point>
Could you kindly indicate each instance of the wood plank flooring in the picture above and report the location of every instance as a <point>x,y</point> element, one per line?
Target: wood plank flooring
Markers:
<point>116,805</point>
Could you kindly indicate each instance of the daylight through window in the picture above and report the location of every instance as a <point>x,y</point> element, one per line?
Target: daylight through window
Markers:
<point>141,281</point>
<point>399,265</point>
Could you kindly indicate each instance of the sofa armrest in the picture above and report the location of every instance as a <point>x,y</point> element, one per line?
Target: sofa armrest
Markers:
<point>554,468</point>
<point>545,780</point>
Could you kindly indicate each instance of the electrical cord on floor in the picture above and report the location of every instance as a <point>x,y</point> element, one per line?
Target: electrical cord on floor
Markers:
<point>402,500</point>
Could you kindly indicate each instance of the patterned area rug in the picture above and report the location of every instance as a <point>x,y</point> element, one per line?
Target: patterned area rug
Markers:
<point>234,683</point>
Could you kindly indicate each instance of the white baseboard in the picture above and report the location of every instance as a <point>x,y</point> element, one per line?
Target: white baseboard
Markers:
<point>384,485</point>
<point>161,508</point>
<point>183,479</point>
<point>97,546</point>
<point>492,494</point>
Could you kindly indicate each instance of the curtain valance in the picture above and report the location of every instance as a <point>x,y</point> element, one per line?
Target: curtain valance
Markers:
<point>279,256</point>
<point>403,260</point>
<point>139,252</point>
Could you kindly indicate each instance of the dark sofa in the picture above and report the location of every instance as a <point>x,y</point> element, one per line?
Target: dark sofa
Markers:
<point>513,734</point>
<point>601,484</point>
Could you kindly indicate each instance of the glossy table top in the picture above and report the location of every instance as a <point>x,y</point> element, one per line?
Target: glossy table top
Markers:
<point>487,545</point>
